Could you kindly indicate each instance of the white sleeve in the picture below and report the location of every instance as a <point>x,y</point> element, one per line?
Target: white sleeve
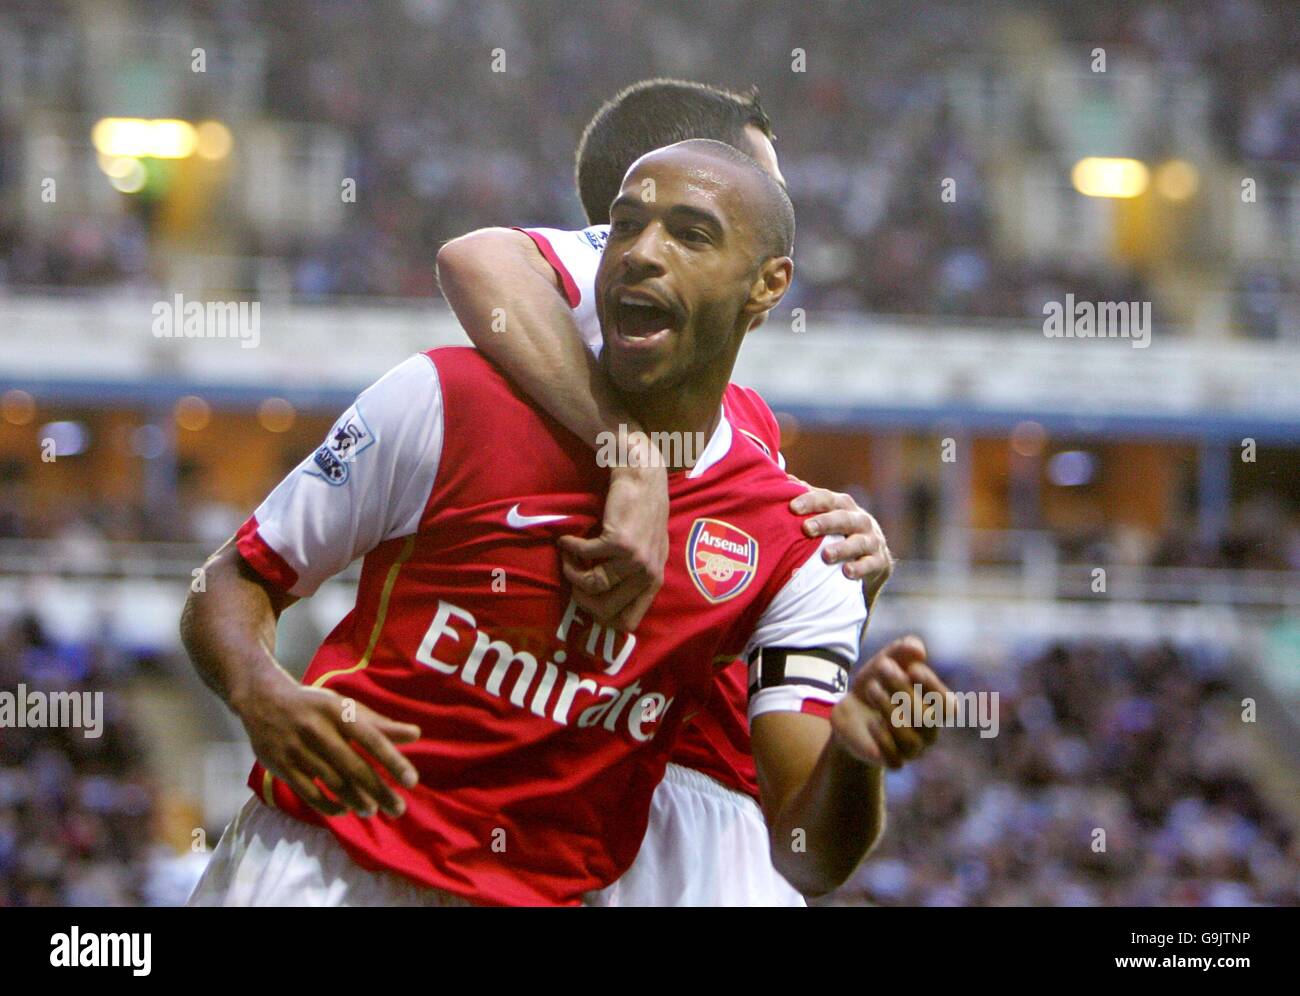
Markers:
<point>818,610</point>
<point>368,482</point>
<point>575,257</point>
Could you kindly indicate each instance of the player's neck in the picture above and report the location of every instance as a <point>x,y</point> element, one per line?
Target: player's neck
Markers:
<point>684,426</point>
<point>686,413</point>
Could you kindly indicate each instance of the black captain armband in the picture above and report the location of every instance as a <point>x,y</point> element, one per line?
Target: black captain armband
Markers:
<point>808,670</point>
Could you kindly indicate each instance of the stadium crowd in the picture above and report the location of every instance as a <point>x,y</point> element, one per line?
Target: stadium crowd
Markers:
<point>77,812</point>
<point>1118,777</point>
<point>866,129</point>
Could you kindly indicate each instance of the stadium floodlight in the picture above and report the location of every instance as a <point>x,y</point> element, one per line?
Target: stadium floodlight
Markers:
<point>1101,176</point>
<point>163,138</point>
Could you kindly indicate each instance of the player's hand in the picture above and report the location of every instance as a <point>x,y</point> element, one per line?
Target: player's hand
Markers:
<point>863,551</point>
<point>304,737</point>
<point>863,721</point>
<point>616,575</point>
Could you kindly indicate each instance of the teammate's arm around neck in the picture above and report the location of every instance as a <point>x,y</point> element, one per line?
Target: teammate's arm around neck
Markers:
<point>508,299</point>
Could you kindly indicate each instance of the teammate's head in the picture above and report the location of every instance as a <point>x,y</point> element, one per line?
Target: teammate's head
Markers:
<point>699,244</point>
<point>654,113</point>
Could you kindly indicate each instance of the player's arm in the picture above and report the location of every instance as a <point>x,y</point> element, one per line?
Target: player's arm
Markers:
<point>367,483</point>
<point>511,302</point>
<point>822,780</point>
<point>819,743</point>
<point>297,733</point>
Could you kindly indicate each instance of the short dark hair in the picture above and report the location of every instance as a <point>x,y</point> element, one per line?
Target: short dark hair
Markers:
<point>649,115</point>
<point>775,215</point>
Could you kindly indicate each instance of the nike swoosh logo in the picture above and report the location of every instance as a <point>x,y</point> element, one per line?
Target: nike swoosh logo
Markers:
<point>516,521</point>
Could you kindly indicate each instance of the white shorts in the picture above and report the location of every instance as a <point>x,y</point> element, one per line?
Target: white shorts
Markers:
<point>267,858</point>
<point>706,845</point>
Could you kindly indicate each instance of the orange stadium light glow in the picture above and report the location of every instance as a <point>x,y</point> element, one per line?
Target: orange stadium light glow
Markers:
<point>1177,179</point>
<point>17,407</point>
<point>1028,439</point>
<point>214,140</point>
<point>276,415</point>
<point>1100,176</point>
<point>192,413</point>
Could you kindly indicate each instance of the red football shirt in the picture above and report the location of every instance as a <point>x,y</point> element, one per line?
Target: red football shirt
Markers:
<point>543,735</point>
<point>716,740</point>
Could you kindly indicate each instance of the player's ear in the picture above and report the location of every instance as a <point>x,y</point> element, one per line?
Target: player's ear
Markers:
<point>769,286</point>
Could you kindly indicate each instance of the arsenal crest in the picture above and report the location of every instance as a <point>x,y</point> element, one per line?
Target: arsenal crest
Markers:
<point>721,559</point>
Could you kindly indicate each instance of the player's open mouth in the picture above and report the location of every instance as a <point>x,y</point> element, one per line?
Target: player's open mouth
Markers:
<point>642,321</point>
